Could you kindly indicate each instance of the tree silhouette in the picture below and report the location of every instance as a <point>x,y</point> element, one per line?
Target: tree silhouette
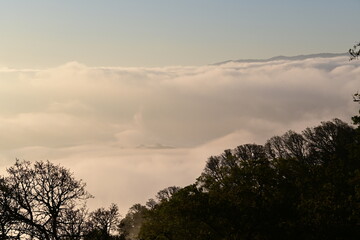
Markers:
<point>354,51</point>
<point>102,222</point>
<point>297,186</point>
<point>129,226</point>
<point>42,200</point>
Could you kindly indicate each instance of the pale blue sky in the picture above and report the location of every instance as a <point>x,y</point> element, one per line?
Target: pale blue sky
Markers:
<point>45,33</point>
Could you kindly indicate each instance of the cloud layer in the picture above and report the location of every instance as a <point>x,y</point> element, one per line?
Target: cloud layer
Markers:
<point>128,132</point>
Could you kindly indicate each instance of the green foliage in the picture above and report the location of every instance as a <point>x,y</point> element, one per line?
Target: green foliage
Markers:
<point>181,217</point>
<point>296,186</point>
<point>129,226</point>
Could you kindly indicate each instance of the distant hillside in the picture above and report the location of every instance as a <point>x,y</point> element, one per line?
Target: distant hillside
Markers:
<point>299,57</point>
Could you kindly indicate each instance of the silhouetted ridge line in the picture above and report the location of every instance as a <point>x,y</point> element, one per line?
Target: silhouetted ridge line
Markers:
<point>292,58</point>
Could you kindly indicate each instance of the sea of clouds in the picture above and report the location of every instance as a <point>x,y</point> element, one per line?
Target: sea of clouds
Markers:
<point>129,132</point>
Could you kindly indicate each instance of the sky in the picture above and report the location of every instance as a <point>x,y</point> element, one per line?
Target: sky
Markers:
<point>125,93</point>
<point>140,33</point>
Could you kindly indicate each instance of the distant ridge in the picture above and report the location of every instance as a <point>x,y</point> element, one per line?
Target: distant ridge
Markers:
<point>298,57</point>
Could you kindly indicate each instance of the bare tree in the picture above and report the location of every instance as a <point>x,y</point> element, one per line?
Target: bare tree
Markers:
<point>6,220</point>
<point>41,197</point>
<point>103,221</point>
<point>73,224</point>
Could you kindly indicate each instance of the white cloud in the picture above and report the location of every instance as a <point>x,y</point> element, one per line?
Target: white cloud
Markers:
<point>93,119</point>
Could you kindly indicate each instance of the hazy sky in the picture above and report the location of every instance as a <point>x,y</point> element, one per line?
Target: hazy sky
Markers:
<point>124,94</point>
<point>44,33</point>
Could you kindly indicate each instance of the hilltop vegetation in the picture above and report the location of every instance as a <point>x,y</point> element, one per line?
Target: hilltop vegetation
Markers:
<point>296,186</point>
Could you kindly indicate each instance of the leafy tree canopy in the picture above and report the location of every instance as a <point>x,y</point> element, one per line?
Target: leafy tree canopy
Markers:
<point>296,186</point>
